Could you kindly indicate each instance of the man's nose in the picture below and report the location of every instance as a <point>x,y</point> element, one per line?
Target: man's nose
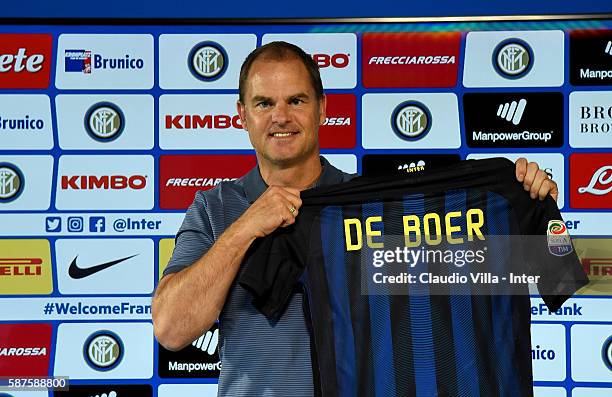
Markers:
<point>281,113</point>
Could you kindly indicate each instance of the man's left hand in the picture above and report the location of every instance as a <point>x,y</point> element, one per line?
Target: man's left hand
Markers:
<point>535,180</point>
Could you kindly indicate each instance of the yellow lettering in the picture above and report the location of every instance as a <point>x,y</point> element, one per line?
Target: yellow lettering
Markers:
<point>412,224</point>
<point>350,246</point>
<point>370,234</point>
<point>432,237</point>
<point>450,229</point>
<point>475,225</point>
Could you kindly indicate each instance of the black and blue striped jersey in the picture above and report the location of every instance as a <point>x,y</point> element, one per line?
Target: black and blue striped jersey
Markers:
<point>409,340</point>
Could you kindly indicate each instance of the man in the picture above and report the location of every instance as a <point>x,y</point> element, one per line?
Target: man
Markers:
<point>281,105</point>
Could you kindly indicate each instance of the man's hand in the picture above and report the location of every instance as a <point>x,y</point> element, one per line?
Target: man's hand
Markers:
<point>276,207</point>
<point>535,180</point>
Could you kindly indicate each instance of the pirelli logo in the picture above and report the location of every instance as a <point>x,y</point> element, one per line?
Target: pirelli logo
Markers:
<point>25,267</point>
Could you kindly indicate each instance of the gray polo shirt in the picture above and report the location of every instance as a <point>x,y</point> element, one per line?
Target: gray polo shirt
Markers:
<point>259,357</point>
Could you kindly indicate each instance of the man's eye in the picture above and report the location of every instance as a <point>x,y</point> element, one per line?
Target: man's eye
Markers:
<point>263,104</point>
<point>296,101</point>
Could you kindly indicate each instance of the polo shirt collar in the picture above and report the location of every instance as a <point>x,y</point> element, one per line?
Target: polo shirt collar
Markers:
<point>254,184</point>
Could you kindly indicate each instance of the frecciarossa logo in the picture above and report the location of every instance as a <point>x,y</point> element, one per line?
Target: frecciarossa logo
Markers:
<point>25,60</point>
<point>197,121</point>
<point>106,182</point>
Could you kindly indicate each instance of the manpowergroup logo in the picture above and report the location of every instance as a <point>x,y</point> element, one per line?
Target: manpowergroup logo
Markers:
<point>334,53</point>
<point>591,57</point>
<point>180,177</point>
<point>198,360</point>
<point>25,267</point>
<point>105,182</point>
<point>513,119</point>
<point>25,349</point>
<point>591,180</point>
<point>421,59</point>
<point>25,60</point>
<point>117,61</point>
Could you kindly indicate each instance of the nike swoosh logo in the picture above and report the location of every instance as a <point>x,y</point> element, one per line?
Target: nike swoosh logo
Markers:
<point>77,272</point>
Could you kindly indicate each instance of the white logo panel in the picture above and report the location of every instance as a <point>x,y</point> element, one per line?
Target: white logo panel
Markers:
<point>334,53</point>
<point>377,121</point>
<point>543,67</point>
<point>590,119</point>
<point>169,390</point>
<point>137,351</point>
<point>552,163</point>
<point>77,116</point>
<point>540,391</point>
<point>344,162</point>
<point>104,266</point>
<point>590,392</point>
<point>589,351</point>
<point>25,183</point>
<point>99,61</point>
<point>25,122</point>
<point>548,352</point>
<point>105,182</point>
<point>201,122</point>
<point>204,61</point>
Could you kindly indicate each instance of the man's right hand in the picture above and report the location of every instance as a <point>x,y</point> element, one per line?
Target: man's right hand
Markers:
<point>276,207</point>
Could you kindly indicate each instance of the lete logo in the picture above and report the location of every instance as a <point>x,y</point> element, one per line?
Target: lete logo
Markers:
<point>25,60</point>
<point>600,183</point>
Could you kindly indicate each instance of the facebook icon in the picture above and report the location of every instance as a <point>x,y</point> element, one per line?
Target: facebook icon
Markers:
<point>97,224</point>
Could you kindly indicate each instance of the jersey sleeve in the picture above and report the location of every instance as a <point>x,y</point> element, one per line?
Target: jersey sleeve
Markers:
<point>273,268</point>
<point>194,238</point>
<point>551,255</point>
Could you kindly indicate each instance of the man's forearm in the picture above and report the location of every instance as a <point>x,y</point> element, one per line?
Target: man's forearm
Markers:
<point>187,303</point>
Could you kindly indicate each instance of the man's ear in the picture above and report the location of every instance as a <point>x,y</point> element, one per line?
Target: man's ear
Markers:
<point>242,113</point>
<point>322,108</point>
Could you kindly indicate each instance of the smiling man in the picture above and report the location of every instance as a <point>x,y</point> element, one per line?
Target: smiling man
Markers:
<point>281,105</point>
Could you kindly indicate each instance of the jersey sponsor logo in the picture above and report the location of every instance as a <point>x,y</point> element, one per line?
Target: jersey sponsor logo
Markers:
<point>411,120</point>
<point>339,129</point>
<point>513,58</point>
<point>198,121</point>
<point>513,120</point>
<point>591,180</point>
<point>559,242</point>
<point>200,359</point>
<point>400,164</point>
<point>182,176</point>
<point>25,60</point>
<point>208,61</point>
<point>106,391</point>
<point>12,182</point>
<point>25,349</point>
<point>82,61</point>
<point>417,59</point>
<point>103,182</point>
<point>590,53</point>
<point>104,121</point>
<point>103,350</point>
<point>25,267</point>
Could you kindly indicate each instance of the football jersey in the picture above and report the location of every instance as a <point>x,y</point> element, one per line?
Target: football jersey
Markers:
<point>419,339</point>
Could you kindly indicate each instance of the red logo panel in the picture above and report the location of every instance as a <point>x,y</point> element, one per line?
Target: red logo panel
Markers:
<point>25,60</point>
<point>25,349</point>
<point>591,180</point>
<point>180,177</point>
<point>410,59</point>
<point>339,130</point>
